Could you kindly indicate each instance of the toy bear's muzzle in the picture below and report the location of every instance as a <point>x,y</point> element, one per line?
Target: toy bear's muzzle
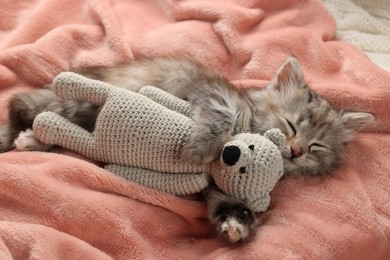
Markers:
<point>231,155</point>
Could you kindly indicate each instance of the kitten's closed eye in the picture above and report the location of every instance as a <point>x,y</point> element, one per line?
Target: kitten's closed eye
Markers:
<point>291,128</point>
<point>315,147</point>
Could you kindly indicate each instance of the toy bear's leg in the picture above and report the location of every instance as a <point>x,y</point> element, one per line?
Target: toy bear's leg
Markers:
<point>167,100</point>
<point>175,183</point>
<point>69,85</point>
<point>53,129</point>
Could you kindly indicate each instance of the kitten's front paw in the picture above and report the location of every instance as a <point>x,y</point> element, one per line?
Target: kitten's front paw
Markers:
<point>26,141</point>
<point>203,148</point>
<point>235,221</point>
<point>197,152</point>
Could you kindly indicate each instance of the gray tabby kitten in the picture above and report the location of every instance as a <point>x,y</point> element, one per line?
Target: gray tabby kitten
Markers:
<point>317,134</point>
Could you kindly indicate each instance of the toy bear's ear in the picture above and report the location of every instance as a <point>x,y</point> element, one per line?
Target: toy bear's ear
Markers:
<point>277,137</point>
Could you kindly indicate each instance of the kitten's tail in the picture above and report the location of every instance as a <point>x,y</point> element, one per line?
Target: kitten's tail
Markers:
<point>7,136</point>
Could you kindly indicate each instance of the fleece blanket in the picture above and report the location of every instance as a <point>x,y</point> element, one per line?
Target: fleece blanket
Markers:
<point>366,24</point>
<point>62,206</point>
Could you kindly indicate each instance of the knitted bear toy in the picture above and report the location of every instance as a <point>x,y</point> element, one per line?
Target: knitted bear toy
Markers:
<point>141,135</point>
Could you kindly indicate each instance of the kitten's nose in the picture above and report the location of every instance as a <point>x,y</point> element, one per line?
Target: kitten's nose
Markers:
<point>296,151</point>
<point>231,154</point>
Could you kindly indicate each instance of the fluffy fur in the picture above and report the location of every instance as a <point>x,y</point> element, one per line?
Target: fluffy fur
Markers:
<point>317,134</point>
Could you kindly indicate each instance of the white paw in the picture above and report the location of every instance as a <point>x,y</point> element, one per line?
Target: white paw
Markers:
<point>233,230</point>
<point>26,141</point>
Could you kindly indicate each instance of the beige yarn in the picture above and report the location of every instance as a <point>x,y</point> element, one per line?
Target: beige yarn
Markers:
<point>365,24</point>
<point>141,136</point>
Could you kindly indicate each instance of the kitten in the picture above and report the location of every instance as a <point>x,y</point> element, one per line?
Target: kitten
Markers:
<point>316,133</point>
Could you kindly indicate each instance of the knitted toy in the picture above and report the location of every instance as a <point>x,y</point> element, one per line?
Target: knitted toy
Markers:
<point>141,135</point>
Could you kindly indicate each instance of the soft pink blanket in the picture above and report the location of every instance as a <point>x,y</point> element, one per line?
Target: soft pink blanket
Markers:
<point>59,206</point>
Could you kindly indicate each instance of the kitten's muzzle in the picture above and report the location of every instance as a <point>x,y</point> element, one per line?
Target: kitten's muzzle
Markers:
<point>296,152</point>
<point>231,154</point>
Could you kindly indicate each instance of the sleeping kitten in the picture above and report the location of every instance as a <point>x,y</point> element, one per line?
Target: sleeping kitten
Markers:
<point>317,134</point>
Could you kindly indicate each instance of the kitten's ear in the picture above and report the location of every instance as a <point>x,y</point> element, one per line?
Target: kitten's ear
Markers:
<point>356,120</point>
<point>289,75</point>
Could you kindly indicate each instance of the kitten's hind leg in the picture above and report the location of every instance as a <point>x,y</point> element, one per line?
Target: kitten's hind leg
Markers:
<point>234,220</point>
<point>23,108</point>
<point>7,136</point>
<point>26,141</point>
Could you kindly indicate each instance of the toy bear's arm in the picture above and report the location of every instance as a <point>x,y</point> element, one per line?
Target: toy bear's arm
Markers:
<point>69,85</point>
<point>174,183</point>
<point>53,129</point>
<point>167,100</point>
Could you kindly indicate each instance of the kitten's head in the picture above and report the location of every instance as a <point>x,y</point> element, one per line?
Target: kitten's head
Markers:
<point>317,134</point>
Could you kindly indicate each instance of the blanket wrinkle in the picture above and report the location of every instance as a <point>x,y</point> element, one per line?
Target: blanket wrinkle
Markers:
<point>85,34</point>
<point>228,21</point>
<point>114,36</point>
<point>30,234</point>
<point>65,197</point>
<point>63,206</point>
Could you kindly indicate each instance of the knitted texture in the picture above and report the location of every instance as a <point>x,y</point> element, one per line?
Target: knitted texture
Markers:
<point>179,183</point>
<point>141,140</point>
<point>167,101</point>
<point>258,168</point>
<point>128,129</point>
<point>366,24</point>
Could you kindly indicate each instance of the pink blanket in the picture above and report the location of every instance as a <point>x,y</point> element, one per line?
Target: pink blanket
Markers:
<point>61,206</point>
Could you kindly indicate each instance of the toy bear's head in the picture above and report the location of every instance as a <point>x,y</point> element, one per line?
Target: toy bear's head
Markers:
<point>250,166</point>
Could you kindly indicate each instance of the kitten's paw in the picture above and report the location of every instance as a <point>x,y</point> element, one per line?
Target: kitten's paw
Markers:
<point>233,231</point>
<point>197,152</point>
<point>235,222</point>
<point>26,141</point>
<point>203,148</point>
